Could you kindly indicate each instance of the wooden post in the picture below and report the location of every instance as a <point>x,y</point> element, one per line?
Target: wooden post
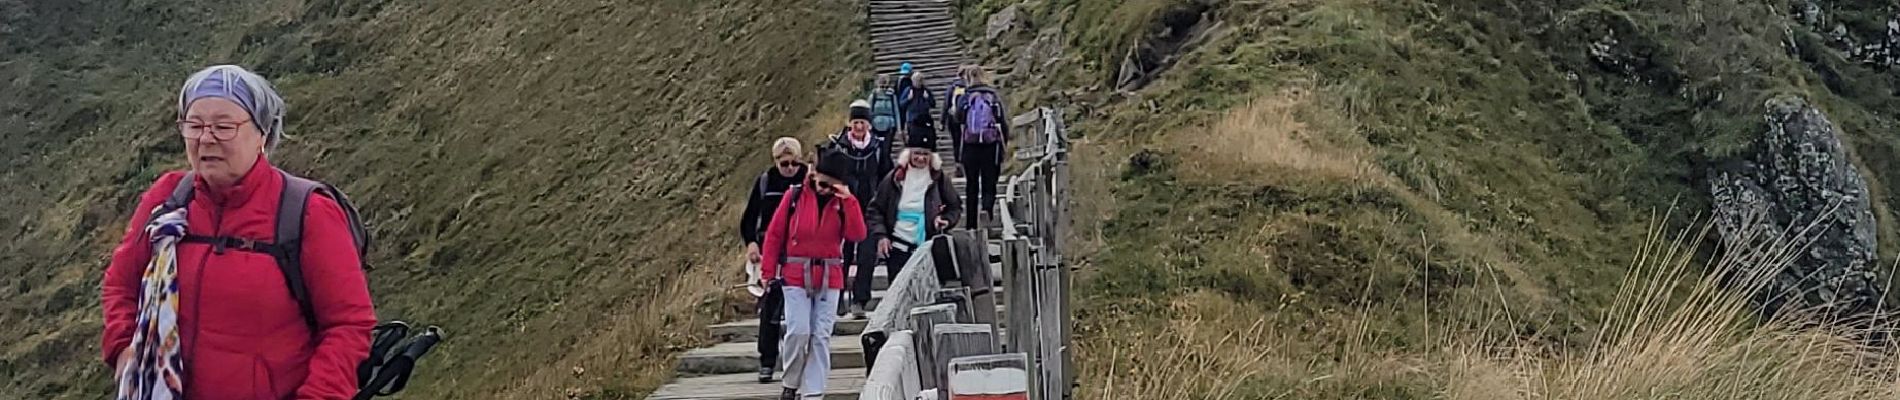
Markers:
<point>958,340</point>
<point>1021,314</point>
<point>960,296</point>
<point>923,320</point>
<point>1021,288</point>
<point>990,377</point>
<point>974,260</point>
<point>895,375</point>
<point>1058,240</point>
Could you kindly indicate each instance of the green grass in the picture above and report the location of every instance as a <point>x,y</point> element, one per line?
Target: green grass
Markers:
<point>553,182</point>
<point>539,172</point>
<point>1515,173</point>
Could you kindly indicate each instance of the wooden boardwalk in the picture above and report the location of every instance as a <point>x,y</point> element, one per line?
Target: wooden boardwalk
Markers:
<point>923,33</point>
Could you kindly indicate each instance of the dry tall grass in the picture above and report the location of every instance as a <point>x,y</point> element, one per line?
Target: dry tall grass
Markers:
<point>1205,353</point>
<point>1682,328</point>
<point>1682,331</point>
<point>1286,132</point>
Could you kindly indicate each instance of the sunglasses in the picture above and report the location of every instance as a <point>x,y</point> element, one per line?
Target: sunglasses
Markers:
<point>787,164</point>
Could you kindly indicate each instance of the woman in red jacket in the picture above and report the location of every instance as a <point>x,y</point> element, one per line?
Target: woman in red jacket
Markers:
<point>189,313</point>
<point>804,247</point>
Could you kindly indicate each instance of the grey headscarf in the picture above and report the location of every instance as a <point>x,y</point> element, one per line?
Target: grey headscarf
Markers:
<point>241,86</point>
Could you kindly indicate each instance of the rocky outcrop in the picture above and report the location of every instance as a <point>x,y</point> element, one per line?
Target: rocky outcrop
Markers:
<point>1002,22</point>
<point>1797,181</point>
<point>1867,34</point>
<point>1172,33</point>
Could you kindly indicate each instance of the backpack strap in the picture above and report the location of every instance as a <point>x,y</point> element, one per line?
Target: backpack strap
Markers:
<point>288,249</point>
<point>761,183</point>
<point>180,197</point>
<point>791,214</point>
<point>289,246</point>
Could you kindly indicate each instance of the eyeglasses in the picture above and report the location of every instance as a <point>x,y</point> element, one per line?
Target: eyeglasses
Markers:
<point>221,131</point>
<point>787,164</point>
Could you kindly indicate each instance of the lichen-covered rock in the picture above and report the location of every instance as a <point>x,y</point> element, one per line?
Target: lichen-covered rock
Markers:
<point>1046,50</point>
<point>1798,179</point>
<point>1002,22</point>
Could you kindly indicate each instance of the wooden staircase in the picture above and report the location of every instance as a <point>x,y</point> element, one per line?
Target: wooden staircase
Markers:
<point>923,33</point>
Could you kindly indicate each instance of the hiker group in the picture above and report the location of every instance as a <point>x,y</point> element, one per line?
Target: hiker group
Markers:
<point>806,225</point>
<point>236,279</point>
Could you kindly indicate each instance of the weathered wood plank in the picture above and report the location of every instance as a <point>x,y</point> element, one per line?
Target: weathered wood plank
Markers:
<point>936,60</point>
<point>924,321</point>
<point>741,357</point>
<point>914,15</point>
<point>748,330</point>
<point>900,47</point>
<point>906,26</point>
<point>881,7</point>
<point>840,384</point>
<point>990,375</point>
<point>888,40</point>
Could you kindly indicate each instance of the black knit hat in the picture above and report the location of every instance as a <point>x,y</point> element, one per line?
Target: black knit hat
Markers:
<point>861,110</point>
<point>834,163</point>
<point>921,136</point>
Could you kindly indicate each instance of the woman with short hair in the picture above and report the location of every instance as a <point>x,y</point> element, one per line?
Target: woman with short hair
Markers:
<point>787,170</point>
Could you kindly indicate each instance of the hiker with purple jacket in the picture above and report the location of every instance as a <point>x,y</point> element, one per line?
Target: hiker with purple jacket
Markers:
<point>981,128</point>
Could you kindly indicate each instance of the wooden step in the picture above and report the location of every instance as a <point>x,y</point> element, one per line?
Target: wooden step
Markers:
<point>847,351</point>
<point>939,72</point>
<point>928,61</point>
<point>748,330</point>
<point>918,47</point>
<point>899,39</point>
<point>879,7</point>
<point>841,384</point>
<point>919,15</point>
<point>911,28</point>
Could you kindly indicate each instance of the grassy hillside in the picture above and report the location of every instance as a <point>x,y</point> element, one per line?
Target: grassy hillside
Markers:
<point>552,181</point>
<point>1338,199</point>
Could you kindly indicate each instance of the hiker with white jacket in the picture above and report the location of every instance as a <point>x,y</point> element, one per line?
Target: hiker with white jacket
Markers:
<point>913,203</point>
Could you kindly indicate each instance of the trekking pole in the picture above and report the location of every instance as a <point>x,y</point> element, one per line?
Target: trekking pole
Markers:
<point>394,374</point>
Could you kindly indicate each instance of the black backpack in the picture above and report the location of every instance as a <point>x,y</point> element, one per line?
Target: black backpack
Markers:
<point>382,373</point>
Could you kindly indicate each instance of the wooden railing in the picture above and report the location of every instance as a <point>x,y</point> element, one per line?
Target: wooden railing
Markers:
<point>1035,277</point>
<point>914,346</point>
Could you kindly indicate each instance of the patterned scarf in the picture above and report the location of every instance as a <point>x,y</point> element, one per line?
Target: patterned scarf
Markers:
<point>150,368</point>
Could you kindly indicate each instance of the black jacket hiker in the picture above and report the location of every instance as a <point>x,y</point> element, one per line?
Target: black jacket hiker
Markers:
<point>766,192</point>
<point>867,164</point>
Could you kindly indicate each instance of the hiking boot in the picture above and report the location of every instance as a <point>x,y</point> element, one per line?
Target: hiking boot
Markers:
<point>788,394</point>
<point>765,374</point>
<point>857,311</point>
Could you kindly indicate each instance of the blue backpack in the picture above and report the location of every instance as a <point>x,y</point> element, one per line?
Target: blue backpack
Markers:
<point>981,122</point>
<point>883,111</point>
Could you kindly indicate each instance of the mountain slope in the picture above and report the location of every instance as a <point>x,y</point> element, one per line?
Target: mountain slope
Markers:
<point>551,181</point>
<point>1318,199</point>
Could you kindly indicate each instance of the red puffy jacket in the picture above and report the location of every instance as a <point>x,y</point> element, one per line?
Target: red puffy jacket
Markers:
<point>815,233</point>
<point>244,336</point>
